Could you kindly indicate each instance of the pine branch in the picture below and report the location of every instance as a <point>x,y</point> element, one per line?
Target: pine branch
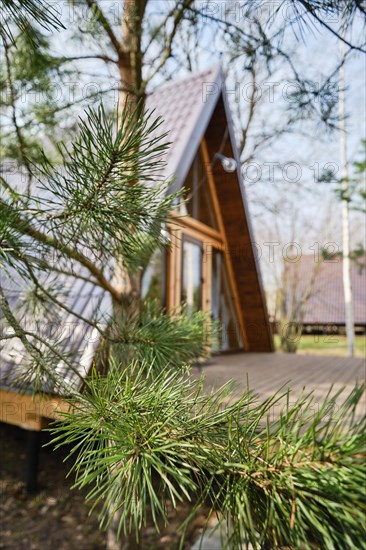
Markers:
<point>310,10</point>
<point>139,439</point>
<point>164,341</point>
<point>26,228</point>
<point>19,12</point>
<point>95,189</point>
<point>42,370</point>
<point>99,16</point>
<point>91,206</point>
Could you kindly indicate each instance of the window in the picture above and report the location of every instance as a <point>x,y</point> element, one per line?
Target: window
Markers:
<point>191,293</point>
<point>198,203</point>
<point>153,278</point>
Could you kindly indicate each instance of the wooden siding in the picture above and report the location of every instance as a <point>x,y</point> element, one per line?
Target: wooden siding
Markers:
<point>227,257</point>
<point>238,238</point>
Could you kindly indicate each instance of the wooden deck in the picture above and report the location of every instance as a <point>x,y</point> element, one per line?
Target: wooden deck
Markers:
<point>266,373</point>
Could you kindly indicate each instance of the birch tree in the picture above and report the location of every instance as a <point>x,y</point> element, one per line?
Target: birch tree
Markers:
<point>346,264</point>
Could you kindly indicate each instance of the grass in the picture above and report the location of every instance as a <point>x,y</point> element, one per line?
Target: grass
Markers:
<point>327,344</point>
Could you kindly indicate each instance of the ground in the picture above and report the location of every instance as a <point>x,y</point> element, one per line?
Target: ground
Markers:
<point>57,517</point>
<point>328,344</point>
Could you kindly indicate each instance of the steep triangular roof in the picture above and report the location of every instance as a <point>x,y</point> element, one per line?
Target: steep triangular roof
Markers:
<point>186,107</point>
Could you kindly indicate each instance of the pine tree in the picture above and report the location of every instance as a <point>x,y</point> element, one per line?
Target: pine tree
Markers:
<point>143,432</point>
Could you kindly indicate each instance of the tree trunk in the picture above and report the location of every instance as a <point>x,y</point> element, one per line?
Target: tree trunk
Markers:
<point>290,334</point>
<point>132,93</point>
<point>131,60</point>
<point>347,285</point>
<point>113,543</point>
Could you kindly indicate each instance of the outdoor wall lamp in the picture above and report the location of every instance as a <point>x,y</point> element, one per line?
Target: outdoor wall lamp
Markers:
<point>228,164</point>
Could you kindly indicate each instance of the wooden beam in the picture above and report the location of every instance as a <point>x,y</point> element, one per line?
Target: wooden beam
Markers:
<point>32,462</point>
<point>187,223</point>
<point>232,201</point>
<point>30,412</point>
<point>174,268</point>
<point>207,278</point>
<point>207,241</point>
<point>227,256</point>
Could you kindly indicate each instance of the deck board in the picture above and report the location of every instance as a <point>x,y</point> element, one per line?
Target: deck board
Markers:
<point>266,373</point>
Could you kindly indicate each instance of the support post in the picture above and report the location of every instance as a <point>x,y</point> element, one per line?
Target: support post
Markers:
<point>32,460</point>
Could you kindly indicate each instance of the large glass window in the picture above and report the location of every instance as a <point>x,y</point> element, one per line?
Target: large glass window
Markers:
<point>198,203</point>
<point>222,304</point>
<point>153,279</point>
<point>191,275</point>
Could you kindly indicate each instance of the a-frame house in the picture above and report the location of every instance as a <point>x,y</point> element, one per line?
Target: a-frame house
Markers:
<point>211,264</point>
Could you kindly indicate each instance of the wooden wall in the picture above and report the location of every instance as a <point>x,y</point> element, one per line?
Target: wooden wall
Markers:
<point>238,238</point>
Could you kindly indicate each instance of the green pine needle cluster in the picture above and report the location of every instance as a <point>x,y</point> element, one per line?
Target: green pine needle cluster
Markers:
<point>90,204</point>
<point>18,13</point>
<point>93,196</point>
<point>139,439</point>
<point>165,341</point>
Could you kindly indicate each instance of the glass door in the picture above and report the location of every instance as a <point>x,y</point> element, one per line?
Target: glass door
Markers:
<point>192,280</point>
<point>222,305</point>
